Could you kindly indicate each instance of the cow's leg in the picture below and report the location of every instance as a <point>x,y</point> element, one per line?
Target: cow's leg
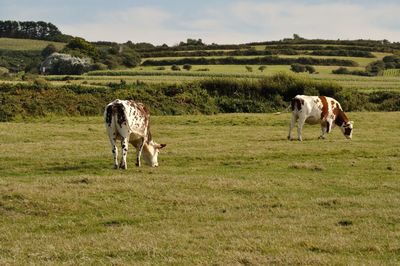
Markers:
<point>323,131</point>
<point>114,149</point>
<point>300,124</point>
<point>124,145</point>
<point>139,151</point>
<point>292,122</point>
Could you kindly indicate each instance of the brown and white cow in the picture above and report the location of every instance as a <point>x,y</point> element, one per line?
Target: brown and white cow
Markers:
<point>129,122</point>
<point>319,110</point>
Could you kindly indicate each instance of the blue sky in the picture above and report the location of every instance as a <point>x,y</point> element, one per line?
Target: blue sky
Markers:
<point>213,21</point>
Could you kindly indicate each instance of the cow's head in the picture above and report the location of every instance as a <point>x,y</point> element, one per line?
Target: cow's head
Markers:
<point>150,153</point>
<point>347,129</point>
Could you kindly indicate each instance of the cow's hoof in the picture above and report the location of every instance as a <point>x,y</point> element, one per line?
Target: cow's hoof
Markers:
<point>137,164</point>
<point>115,166</point>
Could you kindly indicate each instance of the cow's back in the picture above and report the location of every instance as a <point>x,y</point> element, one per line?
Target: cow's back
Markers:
<point>127,117</point>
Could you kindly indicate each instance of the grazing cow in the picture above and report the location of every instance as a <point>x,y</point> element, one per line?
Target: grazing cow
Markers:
<point>319,109</point>
<point>129,122</point>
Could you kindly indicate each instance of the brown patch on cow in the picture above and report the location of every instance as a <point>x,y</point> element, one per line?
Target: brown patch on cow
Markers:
<point>324,112</point>
<point>333,104</point>
<point>340,116</point>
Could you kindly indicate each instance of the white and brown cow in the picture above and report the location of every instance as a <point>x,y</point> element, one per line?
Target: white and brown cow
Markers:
<point>129,122</point>
<point>319,110</point>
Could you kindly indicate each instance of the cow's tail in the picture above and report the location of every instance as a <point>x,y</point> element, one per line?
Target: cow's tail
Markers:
<point>283,111</point>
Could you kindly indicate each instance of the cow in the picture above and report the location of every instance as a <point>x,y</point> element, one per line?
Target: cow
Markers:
<point>319,109</point>
<point>129,122</point>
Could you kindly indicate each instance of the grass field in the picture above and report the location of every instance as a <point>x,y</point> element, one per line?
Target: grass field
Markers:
<point>151,75</point>
<point>25,44</point>
<point>230,190</point>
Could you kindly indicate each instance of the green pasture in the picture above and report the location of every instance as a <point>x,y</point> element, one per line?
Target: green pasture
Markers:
<point>25,44</point>
<point>230,190</point>
<point>152,75</point>
<point>391,73</point>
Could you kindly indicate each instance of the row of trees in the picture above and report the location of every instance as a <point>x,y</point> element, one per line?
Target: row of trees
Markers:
<point>31,30</point>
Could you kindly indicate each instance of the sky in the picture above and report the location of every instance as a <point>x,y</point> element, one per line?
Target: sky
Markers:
<point>213,21</point>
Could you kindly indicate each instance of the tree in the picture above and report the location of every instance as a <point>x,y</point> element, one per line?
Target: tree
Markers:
<point>81,48</point>
<point>28,30</point>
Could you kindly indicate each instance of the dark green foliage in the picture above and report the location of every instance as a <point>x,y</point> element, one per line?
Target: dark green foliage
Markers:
<point>209,96</point>
<point>80,47</point>
<point>187,67</point>
<point>298,68</point>
<point>341,71</point>
<point>310,69</point>
<point>175,68</point>
<point>346,71</point>
<point>28,30</point>
<point>16,61</point>
<point>48,50</point>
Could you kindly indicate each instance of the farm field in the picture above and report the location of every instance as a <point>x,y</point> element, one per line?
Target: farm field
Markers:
<point>230,190</point>
<point>151,75</point>
<point>26,44</point>
<point>362,62</point>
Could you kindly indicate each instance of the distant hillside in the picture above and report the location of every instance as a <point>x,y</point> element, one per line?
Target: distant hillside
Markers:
<point>27,45</point>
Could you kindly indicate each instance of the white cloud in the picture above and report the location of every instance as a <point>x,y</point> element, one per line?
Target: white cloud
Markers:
<point>138,25</point>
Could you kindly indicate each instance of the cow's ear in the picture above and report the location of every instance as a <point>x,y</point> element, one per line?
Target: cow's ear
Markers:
<point>162,146</point>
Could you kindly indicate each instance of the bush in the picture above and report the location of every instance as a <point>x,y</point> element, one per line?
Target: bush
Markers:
<point>271,93</point>
<point>310,69</point>
<point>175,68</point>
<point>187,67</point>
<point>341,71</point>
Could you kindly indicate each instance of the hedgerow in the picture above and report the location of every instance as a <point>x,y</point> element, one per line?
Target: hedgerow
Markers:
<point>209,96</point>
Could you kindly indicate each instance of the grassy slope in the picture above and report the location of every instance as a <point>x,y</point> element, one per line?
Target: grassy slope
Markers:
<point>230,189</point>
<point>25,44</point>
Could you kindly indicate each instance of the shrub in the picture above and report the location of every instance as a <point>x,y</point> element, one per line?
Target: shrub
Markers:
<point>175,68</point>
<point>187,67</point>
<point>297,68</point>
<point>341,71</point>
<point>310,69</point>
